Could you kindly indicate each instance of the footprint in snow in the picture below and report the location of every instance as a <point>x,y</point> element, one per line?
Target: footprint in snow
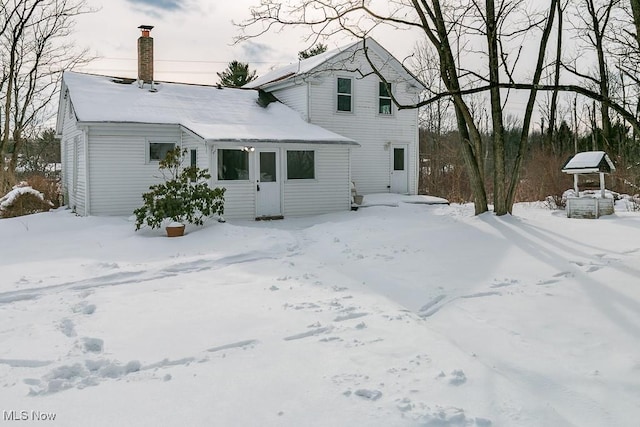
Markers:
<point>431,307</point>
<point>67,327</point>
<point>457,377</point>
<point>368,394</point>
<point>349,316</point>
<point>84,308</point>
<point>240,344</point>
<point>450,417</point>
<point>506,282</point>
<point>310,333</point>
<point>547,282</point>
<point>92,345</point>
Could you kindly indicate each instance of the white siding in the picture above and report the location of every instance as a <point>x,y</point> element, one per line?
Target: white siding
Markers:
<point>371,163</point>
<point>240,196</point>
<point>119,172</point>
<point>329,192</point>
<point>191,142</point>
<point>239,199</point>
<point>295,97</point>
<point>73,162</point>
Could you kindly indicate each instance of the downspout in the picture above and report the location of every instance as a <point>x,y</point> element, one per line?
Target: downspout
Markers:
<point>350,180</point>
<point>308,101</point>
<point>417,163</point>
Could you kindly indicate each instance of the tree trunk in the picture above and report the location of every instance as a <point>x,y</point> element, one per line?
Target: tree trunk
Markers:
<point>635,11</point>
<point>599,24</point>
<point>524,137</point>
<point>499,190</point>
<point>469,134</point>
<point>556,82</point>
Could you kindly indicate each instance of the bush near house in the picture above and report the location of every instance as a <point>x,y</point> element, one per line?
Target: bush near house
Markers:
<point>49,187</point>
<point>23,200</point>
<point>184,196</point>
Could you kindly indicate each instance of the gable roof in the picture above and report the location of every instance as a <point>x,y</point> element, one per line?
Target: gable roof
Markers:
<point>289,74</point>
<point>213,114</point>
<point>589,162</point>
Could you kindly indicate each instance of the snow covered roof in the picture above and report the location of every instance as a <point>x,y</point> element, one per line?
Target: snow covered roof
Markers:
<point>213,114</point>
<point>306,66</point>
<point>589,162</point>
<point>297,68</point>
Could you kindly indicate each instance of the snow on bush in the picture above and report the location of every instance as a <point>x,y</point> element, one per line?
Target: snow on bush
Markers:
<point>22,200</point>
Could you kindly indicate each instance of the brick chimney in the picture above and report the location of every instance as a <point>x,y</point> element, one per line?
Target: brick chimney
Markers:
<point>145,54</point>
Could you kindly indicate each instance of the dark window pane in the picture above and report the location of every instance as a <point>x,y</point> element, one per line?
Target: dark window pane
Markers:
<point>344,85</point>
<point>383,90</point>
<point>233,165</point>
<point>344,102</point>
<point>384,99</point>
<point>385,106</point>
<point>194,158</point>
<point>268,167</point>
<point>344,94</point>
<point>398,159</point>
<point>300,165</point>
<point>159,150</point>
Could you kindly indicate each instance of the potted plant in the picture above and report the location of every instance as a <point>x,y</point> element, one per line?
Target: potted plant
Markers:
<point>183,197</point>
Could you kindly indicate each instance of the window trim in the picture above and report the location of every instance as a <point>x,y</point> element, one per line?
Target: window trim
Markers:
<point>351,95</point>
<point>286,166</point>
<point>380,98</point>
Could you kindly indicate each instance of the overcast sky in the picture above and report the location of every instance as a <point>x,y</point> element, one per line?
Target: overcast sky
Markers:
<point>193,39</point>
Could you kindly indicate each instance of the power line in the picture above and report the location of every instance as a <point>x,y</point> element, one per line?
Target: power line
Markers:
<point>131,70</point>
<point>190,60</point>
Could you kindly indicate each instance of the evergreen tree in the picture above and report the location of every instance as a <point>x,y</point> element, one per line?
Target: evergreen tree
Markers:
<point>313,51</point>
<point>237,74</point>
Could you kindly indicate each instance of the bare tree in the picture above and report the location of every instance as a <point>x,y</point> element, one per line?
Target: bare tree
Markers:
<point>625,50</point>
<point>35,48</point>
<point>592,22</point>
<point>498,23</point>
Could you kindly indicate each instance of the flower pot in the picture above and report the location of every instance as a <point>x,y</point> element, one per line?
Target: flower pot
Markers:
<point>175,230</point>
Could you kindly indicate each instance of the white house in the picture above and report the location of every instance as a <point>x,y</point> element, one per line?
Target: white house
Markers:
<point>339,91</point>
<point>289,155</point>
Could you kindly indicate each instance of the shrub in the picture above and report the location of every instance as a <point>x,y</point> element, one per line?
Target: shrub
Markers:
<point>50,188</point>
<point>23,200</point>
<point>542,179</point>
<point>184,196</point>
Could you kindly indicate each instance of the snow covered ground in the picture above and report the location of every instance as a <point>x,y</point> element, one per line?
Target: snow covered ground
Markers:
<point>401,315</point>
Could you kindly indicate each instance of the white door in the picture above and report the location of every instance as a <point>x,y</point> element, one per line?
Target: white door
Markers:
<point>399,175</point>
<point>268,183</point>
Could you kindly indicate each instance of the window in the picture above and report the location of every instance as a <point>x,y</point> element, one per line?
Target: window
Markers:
<point>233,165</point>
<point>268,167</point>
<point>398,159</point>
<point>344,94</point>
<point>158,150</point>
<point>194,158</point>
<point>301,165</point>
<point>384,98</point>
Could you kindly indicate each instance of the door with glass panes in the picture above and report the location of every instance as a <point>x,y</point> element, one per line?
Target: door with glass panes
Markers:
<point>399,175</point>
<point>268,183</point>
